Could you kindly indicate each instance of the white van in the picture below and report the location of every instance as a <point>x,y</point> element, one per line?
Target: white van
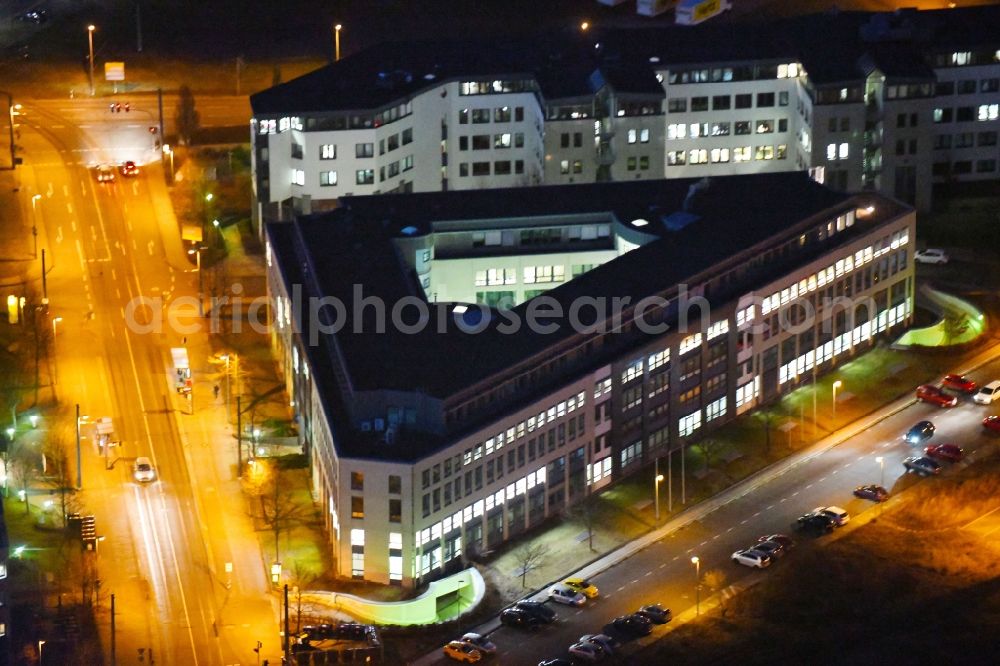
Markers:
<point>988,393</point>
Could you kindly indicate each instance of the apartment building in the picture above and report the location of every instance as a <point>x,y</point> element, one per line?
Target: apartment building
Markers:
<point>465,365</point>
<point>891,102</point>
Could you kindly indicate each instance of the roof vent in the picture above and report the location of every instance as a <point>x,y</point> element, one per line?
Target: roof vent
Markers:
<point>700,186</point>
<point>409,231</point>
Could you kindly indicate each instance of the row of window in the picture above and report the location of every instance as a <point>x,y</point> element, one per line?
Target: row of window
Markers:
<point>499,141</point>
<point>497,168</point>
<point>725,102</point>
<point>966,86</point>
<point>722,128</point>
<point>727,74</point>
<point>982,113</point>
<point>965,140</point>
<point>499,114</point>
<point>361,176</point>
<point>963,167</point>
<point>722,155</point>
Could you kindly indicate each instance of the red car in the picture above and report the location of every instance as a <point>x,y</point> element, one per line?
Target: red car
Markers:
<point>129,168</point>
<point>949,452</point>
<point>934,394</point>
<point>959,383</point>
<point>992,423</point>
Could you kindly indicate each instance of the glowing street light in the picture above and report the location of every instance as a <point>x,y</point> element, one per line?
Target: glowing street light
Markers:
<point>697,575</point>
<point>336,41</point>
<point>34,223</point>
<point>33,419</point>
<point>836,385</point>
<point>55,323</point>
<point>585,26</point>
<point>881,468</point>
<point>168,151</point>
<point>656,484</point>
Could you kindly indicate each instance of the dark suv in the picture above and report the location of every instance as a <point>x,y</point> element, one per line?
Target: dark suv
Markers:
<point>922,465</point>
<point>515,617</point>
<point>919,433</point>
<point>815,523</point>
<point>538,609</point>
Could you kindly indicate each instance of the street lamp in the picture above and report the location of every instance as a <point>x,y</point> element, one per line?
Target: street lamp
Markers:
<point>34,223</point>
<point>697,575</point>
<point>584,26</point>
<point>90,42</point>
<point>836,385</point>
<point>201,292</point>
<point>40,644</point>
<point>881,470</point>
<point>656,484</point>
<point>55,322</point>
<point>336,41</point>
<point>168,151</point>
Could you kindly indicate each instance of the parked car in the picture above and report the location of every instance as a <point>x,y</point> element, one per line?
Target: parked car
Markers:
<point>105,174</point>
<point>538,609</point>
<point>949,452</point>
<point>772,549</point>
<point>143,470</point>
<point>584,587</point>
<point>814,523</point>
<point>931,255</point>
<point>587,651</point>
<point>935,395</point>
<point>36,16</point>
<point>317,632</point>
<point>655,613</point>
<point>988,393</point>
<point>515,617</point>
<point>752,558</point>
<point>919,433</point>
<point>480,642</point>
<point>785,541</point>
<point>632,625</point>
<point>839,515</point>
<point>564,594</point>
<point>872,492</point>
<point>959,383</point>
<point>922,465</point>
<point>464,652</point>
<point>129,169</point>
<point>606,642</point>
<point>992,423</point>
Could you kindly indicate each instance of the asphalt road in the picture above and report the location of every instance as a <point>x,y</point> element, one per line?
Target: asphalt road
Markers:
<point>664,573</point>
<point>105,249</point>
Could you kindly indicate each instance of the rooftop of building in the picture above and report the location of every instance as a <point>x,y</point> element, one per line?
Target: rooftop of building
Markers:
<point>834,47</point>
<point>330,254</point>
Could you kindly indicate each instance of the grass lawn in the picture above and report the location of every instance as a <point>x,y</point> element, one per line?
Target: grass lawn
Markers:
<point>885,594</point>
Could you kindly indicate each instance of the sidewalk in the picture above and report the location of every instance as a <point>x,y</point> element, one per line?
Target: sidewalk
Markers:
<point>699,511</point>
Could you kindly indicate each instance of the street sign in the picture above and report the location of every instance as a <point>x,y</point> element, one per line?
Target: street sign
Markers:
<point>114,71</point>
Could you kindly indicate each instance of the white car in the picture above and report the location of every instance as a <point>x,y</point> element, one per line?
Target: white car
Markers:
<point>105,174</point>
<point>587,651</point>
<point>480,642</point>
<point>987,393</point>
<point>839,515</point>
<point>752,558</point>
<point>565,594</point>
<point>143,470</point>
<point>931,256</point>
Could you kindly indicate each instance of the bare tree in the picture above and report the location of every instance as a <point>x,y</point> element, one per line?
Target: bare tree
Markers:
<point>279,509</point>
<point>715,580</point>
<point>710,450</point>
<point>59,476</point>
<point>530,557</point>
<point>584,512</point>
<point>23,465</point>
<point>302,577</point>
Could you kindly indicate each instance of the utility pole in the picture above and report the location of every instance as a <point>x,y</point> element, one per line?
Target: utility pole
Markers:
<point>239,439</point>
<point>45,287</point>
<point>79,468</point>
<point>112,630</point>
<point>159,103</point>
<point>13,147</point>
<point>138,25</point>
<point>288,654</point>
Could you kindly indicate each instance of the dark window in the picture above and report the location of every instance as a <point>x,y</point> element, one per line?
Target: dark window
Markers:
<point>577,139</point>
<point>396,483</point>
<point>914,119</point>
<point>783,99</point>
<point>721,102</point>
<point>677,105</point>
<point>357,507</point>
<point>564,140</point>
<point>357,481</point>
<point>832,125</point>
<point>989,85</point>
<point>965,113</point>
<point>480,168</point>
<point>967,87</point>
<point>395,510</point>
<point>481,142</point>
<point>963,167</point>
<point>518,113</point>
<point>945,88</point>
<point>901,120</point>
<point>986,139</point>
<point>742,127</point>
<point>765,99</point>
<point>699,103</point>
<point>783,124</point>
<point>744,101</point>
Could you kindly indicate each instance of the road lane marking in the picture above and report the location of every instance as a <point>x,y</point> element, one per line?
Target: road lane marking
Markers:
<point>769,507</point>
<point>664,565</point>
<point>69,207</point>
<point>795,493</point>
<point>809,486</point>
<point>620,588</point>
<point>756,514</point>
<point>847,465</point>
<point>65,189</point>
<point>72,225</point>
<point>730,529</point>
<point>716,537</point>
<point>703,543</point>
<point>648,573</point>
<point>784,499</point>
<point>743,522</point>
<point>821,480</point>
